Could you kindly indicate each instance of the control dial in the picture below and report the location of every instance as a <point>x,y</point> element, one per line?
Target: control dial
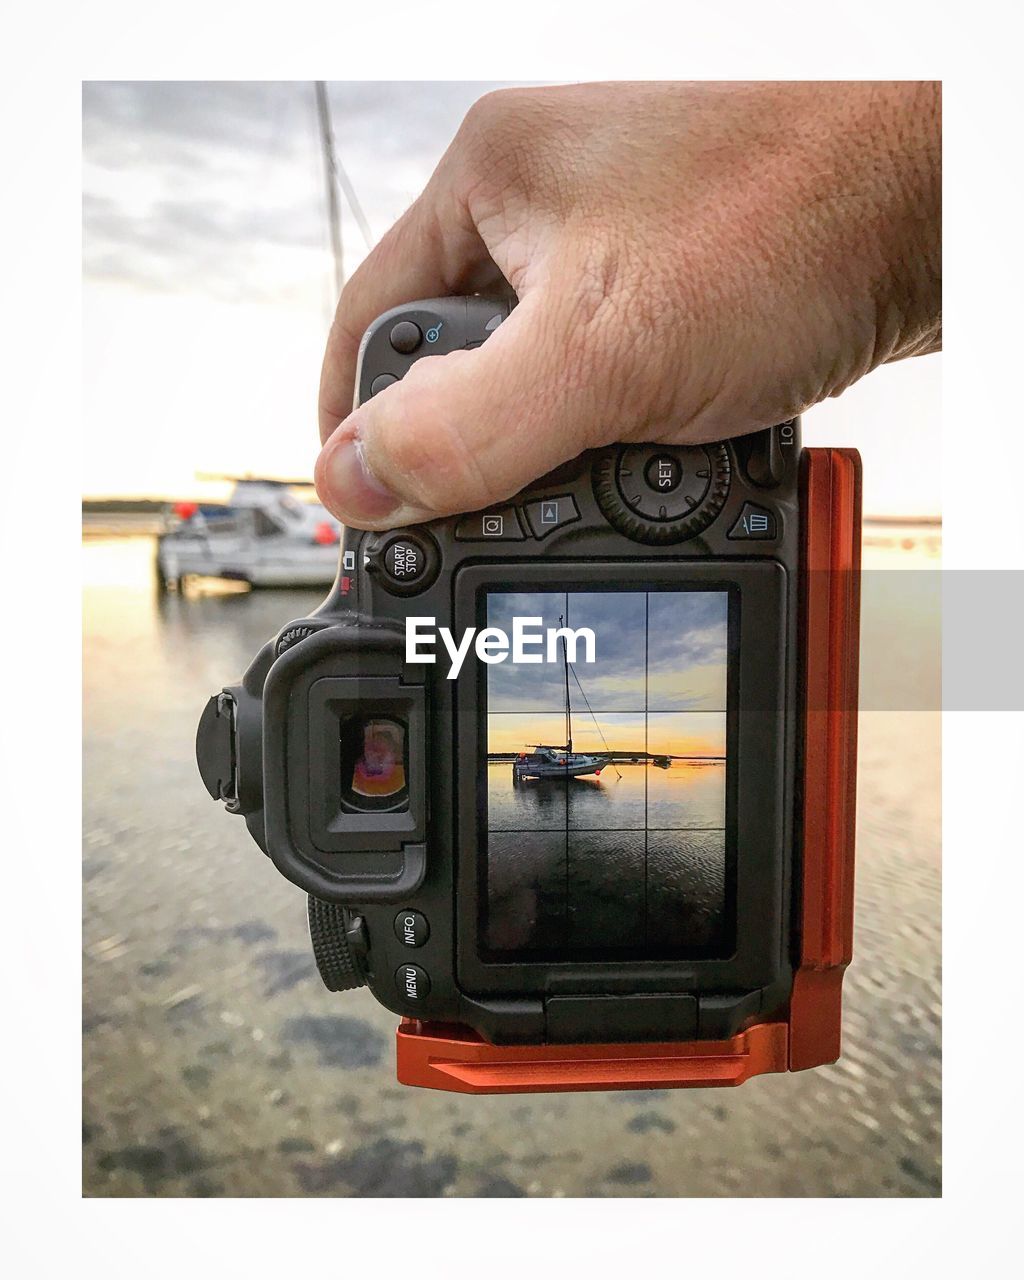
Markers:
<point>339,944</point>
<point>661,494</point>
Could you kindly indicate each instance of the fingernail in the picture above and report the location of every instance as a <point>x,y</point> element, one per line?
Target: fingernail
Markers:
<point>357,492</point>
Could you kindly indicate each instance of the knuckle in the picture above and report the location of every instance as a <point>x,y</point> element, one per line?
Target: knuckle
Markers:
<point>486,135</point>
<point>493,109</point>
<point>504,142</point>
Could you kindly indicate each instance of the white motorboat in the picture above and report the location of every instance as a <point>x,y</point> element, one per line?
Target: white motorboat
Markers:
<point>270,534</point>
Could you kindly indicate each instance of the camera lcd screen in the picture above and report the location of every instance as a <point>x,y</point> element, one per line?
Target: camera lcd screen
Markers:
<point>606,783</point>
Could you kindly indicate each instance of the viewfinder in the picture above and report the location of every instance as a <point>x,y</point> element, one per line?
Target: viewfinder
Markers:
<point>374,764</point>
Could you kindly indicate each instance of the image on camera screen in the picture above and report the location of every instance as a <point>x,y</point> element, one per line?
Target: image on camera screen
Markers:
<point>606,781</point>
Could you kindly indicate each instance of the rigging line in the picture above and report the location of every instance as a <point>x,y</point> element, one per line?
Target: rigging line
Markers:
<point>568,708</point>
<point>339,171</point>
<point>597,722</point>
<point>330,172</point>
<point>353,203</point>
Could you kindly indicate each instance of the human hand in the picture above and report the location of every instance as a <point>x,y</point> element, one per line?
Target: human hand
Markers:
<point>692,262</point>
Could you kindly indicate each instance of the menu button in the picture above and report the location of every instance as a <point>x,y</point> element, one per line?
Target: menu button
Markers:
<point>412,982</point>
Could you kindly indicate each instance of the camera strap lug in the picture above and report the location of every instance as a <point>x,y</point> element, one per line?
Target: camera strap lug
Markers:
<point>216,750</point>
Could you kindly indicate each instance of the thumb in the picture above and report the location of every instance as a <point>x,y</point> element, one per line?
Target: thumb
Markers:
<point>467,429</point>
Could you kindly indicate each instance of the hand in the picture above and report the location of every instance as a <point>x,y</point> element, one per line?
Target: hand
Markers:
<point>692,262</point>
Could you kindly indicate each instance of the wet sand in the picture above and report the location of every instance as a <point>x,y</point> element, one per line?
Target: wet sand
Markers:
<point>216,1064</point>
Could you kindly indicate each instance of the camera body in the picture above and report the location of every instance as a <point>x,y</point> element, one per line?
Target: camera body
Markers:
<point>570,781</point>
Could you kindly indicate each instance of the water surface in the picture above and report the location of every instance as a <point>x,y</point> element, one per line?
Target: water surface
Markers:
<point>215,1063</point>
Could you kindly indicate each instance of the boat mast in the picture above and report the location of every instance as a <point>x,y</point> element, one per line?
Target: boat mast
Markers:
<point>568,709</point>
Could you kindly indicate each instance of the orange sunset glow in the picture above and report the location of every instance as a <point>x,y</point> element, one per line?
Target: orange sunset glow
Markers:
<point>671,733</point>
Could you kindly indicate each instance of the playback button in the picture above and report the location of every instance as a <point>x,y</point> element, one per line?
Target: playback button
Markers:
<point>550,514</point>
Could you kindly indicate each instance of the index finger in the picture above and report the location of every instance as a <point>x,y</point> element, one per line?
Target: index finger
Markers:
<point>432,250</point>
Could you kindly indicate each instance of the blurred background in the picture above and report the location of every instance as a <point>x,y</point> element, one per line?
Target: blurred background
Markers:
<point>218,222</point>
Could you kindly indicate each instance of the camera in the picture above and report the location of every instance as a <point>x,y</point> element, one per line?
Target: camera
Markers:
<point>570,781</point>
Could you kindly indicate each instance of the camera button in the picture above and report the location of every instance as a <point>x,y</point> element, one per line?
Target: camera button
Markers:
<point>550,514</point>
<point>406,337</point>
<point>381,381</point>
<point>411,928</point>
<point>403,563</point>
<point>663,473</point>
<point>755,524</point>
<point>490,526</point>
<point>412,982</point>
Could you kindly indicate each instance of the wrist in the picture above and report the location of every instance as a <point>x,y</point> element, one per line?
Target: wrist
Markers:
<point>910,297</point>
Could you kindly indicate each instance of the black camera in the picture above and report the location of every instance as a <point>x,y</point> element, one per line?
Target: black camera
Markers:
<point>570,781</point>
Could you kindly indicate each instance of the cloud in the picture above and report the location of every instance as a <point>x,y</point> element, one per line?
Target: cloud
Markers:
<point>658,650</point>
<point>218,188</point>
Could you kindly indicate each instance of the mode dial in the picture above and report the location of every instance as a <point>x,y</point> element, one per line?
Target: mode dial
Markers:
<point>661,494</point>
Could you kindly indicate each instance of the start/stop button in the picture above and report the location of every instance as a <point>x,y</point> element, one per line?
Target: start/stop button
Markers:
<point>404,562</point>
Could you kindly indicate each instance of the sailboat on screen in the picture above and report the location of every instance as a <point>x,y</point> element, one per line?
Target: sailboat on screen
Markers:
<point>546,761</point>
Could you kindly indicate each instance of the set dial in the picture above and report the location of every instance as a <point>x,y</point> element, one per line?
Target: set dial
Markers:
<point>662,494</point>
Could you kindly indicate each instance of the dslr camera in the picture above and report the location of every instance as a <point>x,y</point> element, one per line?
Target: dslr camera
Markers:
<point>570,781</point>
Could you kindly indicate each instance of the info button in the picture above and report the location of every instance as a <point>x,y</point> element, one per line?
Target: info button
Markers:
<point>411,928</point>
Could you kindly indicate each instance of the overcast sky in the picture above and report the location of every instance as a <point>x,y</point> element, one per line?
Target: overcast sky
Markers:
<point>218,189</point>
<point>654,650</point>
<point>208,282</point>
